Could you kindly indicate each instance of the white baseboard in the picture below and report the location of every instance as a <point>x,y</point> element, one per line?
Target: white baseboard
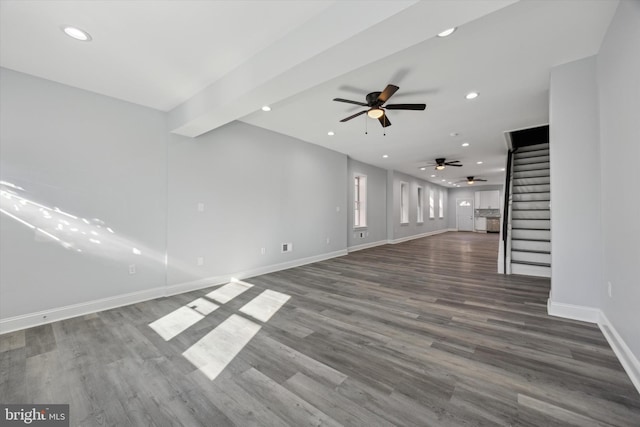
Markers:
<point>366,245</point>
<point>30,320</point>
<point>419,236</point>
<point>627,359</point>
<point>574,312</point>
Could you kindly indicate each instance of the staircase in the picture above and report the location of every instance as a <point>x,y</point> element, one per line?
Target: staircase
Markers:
<point>530,231</point>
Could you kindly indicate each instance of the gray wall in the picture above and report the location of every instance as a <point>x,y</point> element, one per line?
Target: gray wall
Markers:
<point>467,192</point>
<point>259,189</point>
<point>576,240</point>
<point>399,231</point>
<point>619,94</point>
<point>376,230</point>
<point>90,156</point>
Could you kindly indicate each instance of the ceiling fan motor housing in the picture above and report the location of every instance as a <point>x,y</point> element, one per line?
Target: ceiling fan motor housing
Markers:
<point>372,99</point>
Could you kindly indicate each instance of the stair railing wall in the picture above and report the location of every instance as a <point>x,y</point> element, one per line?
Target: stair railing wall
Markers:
<point>506,220</point>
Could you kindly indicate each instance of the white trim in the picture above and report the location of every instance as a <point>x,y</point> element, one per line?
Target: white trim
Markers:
<point>418,236</point>
<point>627,359</point>
<point>366,246</point>
<point>570,311</point>
<point>30,320</point>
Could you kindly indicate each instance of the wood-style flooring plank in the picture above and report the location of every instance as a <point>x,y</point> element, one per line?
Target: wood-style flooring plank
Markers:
<point>422,333</point>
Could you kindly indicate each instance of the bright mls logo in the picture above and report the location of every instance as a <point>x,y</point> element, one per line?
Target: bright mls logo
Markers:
<point>34,415</point>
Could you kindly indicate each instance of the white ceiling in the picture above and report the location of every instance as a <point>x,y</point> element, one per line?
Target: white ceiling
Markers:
<point>210,62</point>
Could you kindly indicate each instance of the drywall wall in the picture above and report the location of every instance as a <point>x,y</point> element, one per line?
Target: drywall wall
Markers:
<point>576,240</point>
<point>618,67</point>
<point>376,229</point>
<point>94,158</point>
<point>467,192</point>
<point>397,230</point>
<point>239,189</point>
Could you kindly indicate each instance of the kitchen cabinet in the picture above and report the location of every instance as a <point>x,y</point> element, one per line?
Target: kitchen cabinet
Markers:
<point>487,199</point>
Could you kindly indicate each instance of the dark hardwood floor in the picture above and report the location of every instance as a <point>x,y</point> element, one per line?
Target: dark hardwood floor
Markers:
<point>422,333</point>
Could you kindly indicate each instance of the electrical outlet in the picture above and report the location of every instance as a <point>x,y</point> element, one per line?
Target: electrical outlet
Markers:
<point>263,251</point>
<point>132,269</point>
<point>200,261</point>
<point>610,289</point>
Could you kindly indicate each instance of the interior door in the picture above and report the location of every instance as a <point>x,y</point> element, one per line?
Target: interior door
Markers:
<point>464,212</point>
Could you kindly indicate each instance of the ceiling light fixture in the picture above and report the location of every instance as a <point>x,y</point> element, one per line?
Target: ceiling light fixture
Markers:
<point>472,95</point>
<point>433,176</point>
<point>375,113</point>
<point>443,180</point>
<point>423,168</point>
<point>330,133</point>
<point>440,167</point>
<point>465,144</point>
<point>266,108</point>
<point>385,156</point>
<point>76,33</point>
<point>447,32</point>
<point>478,163</point>
<point>502,170</point>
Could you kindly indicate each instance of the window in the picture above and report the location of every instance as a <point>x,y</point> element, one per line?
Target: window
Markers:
<point>441,205</point>
<point>420,206</point>
<point>404,203</point>
<point>360,201</point>
<point>432,204</point>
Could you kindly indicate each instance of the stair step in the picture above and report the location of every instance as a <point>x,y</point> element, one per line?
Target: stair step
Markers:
<point>530,174</point>
<point>531,214</point>
<point>531,257</point>
<point>543,146</point>
<point>529,160</point>
<point>536,188</point>
<point>531,166</point>
<point>531,224</point>
<point>528,234</point>
<point>527,269</point>
<point>530,245</point>
<point>533,180</point>
<point>530,197</point>
<point>535,205</point>
<point>533,153</point>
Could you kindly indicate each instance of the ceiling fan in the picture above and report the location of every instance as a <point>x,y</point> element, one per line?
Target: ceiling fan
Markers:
<point>441,163</point>
<point>470,180</point>
<point>375,101</point>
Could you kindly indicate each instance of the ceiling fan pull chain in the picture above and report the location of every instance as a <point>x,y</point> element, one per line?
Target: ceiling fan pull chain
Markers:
<point>365,125</point>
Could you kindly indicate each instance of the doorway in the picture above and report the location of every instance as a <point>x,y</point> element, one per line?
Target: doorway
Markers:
<point>464,214</point>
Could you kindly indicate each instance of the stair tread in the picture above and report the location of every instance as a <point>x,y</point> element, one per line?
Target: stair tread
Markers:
<point>531,240</point>
<point>531,251</point>
<point>539,264</point>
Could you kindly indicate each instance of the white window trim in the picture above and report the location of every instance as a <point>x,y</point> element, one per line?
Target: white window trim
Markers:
<point>432,203</point>
<point>441,205</point>
<point>360,202</point>
<point>404,203</point>
<point>420,205</point>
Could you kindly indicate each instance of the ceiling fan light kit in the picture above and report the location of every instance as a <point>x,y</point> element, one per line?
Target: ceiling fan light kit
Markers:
<point>375,102</point>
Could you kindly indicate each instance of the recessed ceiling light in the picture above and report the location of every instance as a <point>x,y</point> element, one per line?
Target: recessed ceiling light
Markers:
<point>433,176</point>
<point>76,33</point>
<point>449,182</point>
<point>266,108</point>
<point>423,168</point>
<point>503,169</point>
<point>447,32</point>
<point>454,134</point>
<point>472,95</point>
<point>384,156</point>
<point>330,133</point>
<point>444,180</point>
<point>465,144</point>
<point>478,163</point>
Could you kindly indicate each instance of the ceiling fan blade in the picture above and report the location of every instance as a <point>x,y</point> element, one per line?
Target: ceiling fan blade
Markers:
<point>452,161</point>
<point>449,164</point>
<point>387,93</point>
<point>353,116</point>
<point>406,107</point>
<point>348,101</point>
<point>481,180</point>
<point>384,121</point>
